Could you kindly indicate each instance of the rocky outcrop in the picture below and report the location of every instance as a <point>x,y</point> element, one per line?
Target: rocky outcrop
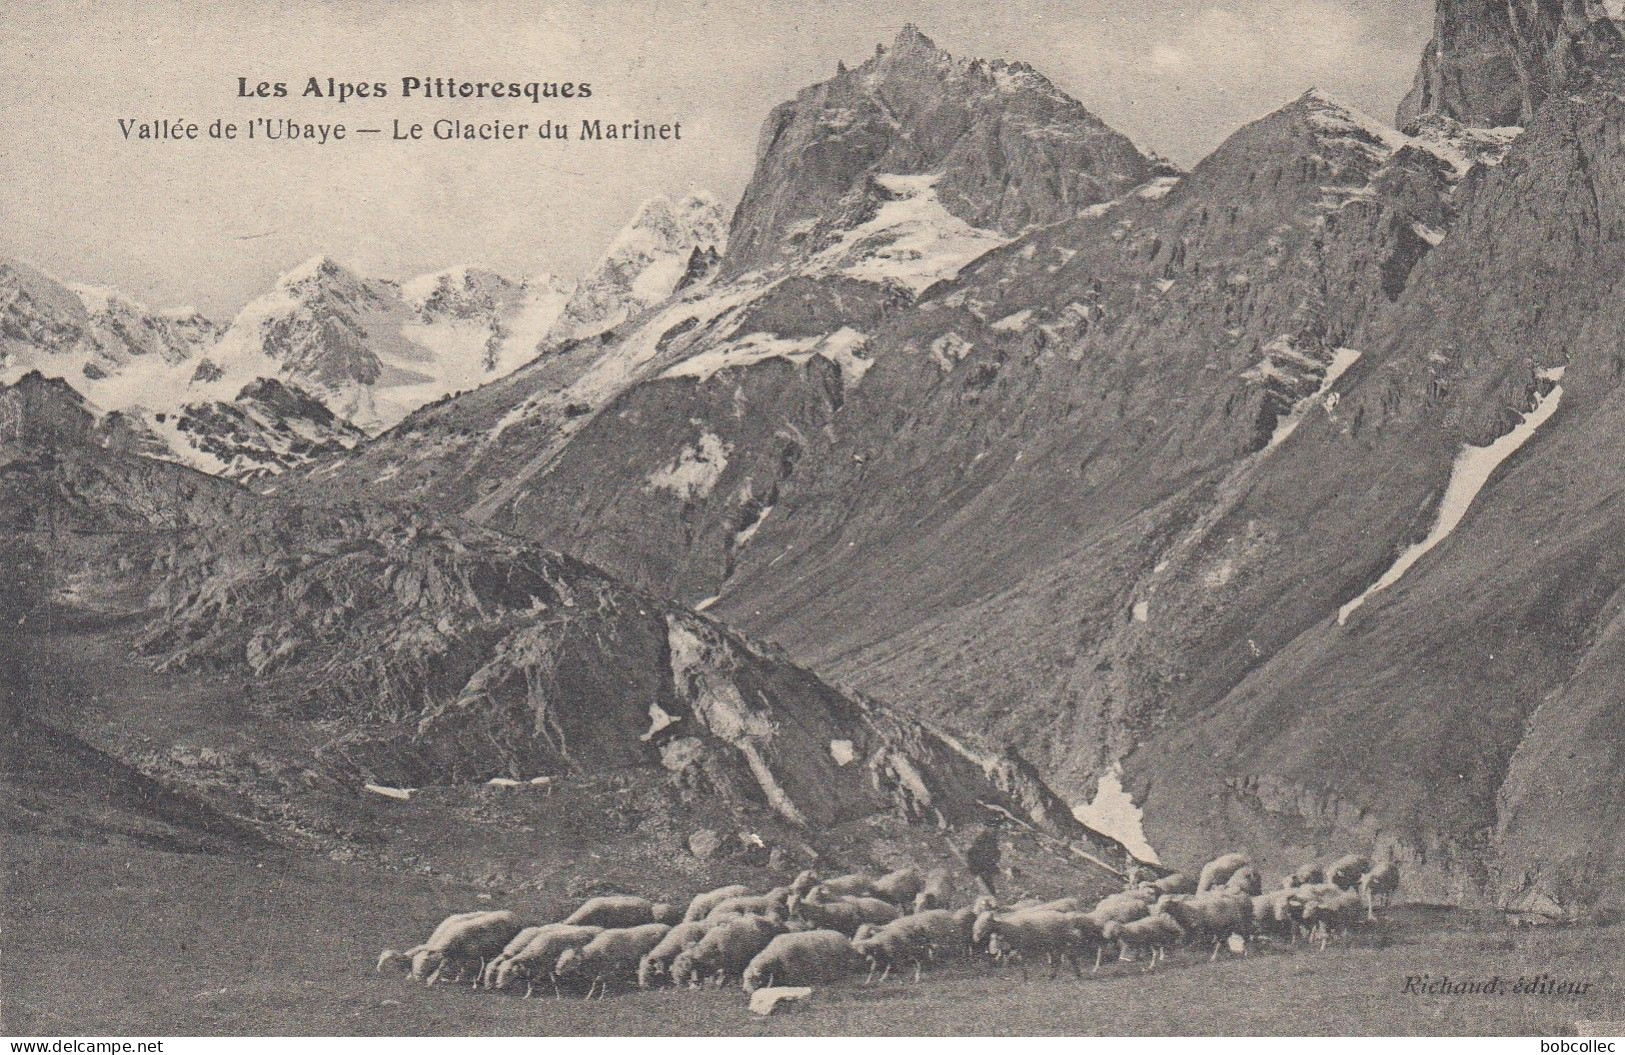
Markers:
<point>1011,150</point>
<point>1494,62</point>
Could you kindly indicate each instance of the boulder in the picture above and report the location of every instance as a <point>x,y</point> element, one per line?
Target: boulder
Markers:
<point>770,1001</point>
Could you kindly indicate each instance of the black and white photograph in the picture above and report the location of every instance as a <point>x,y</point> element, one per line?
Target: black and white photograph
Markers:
<point>855,518</point>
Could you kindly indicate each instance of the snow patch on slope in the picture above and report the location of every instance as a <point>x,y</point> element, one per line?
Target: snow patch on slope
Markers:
<point>1473,468</point>
<point>912,241</point>
<point>1113,813</point>
<point>697,469</point>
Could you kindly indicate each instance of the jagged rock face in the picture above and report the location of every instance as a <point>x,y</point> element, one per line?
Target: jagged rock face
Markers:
<point>508,319</point>
<point>1494,62</point>
<point>436,653</point>
<point>96,339</point>
<point>1012,150</point>
<point>268,428</point>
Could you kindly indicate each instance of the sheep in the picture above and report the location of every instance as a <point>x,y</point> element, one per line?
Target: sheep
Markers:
<point>395,959</point>
<point>965,919</point>
<point>1304,875</point>
<point>800,959</point>
<point>1219,870</point>
<point>513,948</point>
<point>1275,914</point>
<point>1090,934</point>
<point>702,904</point>
<point>656,963</point>
<point>1382,882</point>
<point>938,891</point>
<point>466,943</point>
<point>1018,935</point>
<point>1125,907</point>
<point>1064,904</point>
<point>846,914</point>
<point>537,959</point>
<point>770,904</point>
<point>804,881</point>
<point>1177,883</point>
<point>620,911</point>
<point>852,885</point>
<point>1246,880</point>
<point>900,887</point>
<point>726,949</point>
<point>1345,872</point>
<point>913,938</point>
<point>1153,935</point>
<point>1214,916</point>
<point>612,956</point>
<point>1343,911</point>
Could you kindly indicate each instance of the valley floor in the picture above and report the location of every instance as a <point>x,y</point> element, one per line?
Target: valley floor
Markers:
<point>127,939</point>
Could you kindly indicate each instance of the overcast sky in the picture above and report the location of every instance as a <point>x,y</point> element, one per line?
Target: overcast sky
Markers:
<point>213,224</point>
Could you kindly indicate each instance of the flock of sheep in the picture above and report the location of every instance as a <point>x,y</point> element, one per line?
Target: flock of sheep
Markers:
<point>820,930</point>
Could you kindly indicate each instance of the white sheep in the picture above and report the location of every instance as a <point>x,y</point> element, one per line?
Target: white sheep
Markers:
<point>621,911</point>
<point>1026,933</point>
<point>513,948</point>
<point>1382,882</point>
<point>771,904</point>
<point>1304,875</point>
<point>853,884</point>
<point>900,887</point>
<point>657,961</point>
<point>464,945</point>
<point>845,914</point>
<point>1345,872</point>
<point>396,959</point>
<point>915,939</point>
<point>1342,912</point>
<point>612,956</point>
<point>1219,870</point>
<point>1214,915</point>
<point>938,891</point>
<point>802,959</point>
<point>725,950</point>
<point>538,958</point>
<point>1246,880</point>
<point>1151,935</point>
<point>702,904</point>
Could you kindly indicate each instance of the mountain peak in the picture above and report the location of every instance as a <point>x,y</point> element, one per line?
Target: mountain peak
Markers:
<point>1491,63</point>
<point>1011,149</point>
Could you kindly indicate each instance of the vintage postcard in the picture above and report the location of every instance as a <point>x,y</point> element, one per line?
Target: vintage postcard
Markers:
<point>593,518</point>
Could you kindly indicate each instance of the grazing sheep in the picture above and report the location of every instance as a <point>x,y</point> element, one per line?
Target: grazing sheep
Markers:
<point>1090,935</point>
<point>513,948</point>
<point>1305,875</point>
<point>900,887</point>
<point>1275,914</point>
<point>1123,907</point>
<point>1152,935</point>
<point>770,904</point>
<point>619,912</point>
<point>464,945</point>
<point>938,891</point>
<point>656,963</point>
<point>1218,871</point>
<point>1064,904</point>
<point>537,959</point>
<point>845,915</point>
<point>1345,872</point>
<point>915,939</point>
<point>801,959</point>
<point>725,950</point>
<point>612,956</point>
<point>702,904</point>
<point>1382,882</point>
<point>1245,881</point>
<point>1213,916</point>
<point>395,959</point>
<point>965,918</point>
<point>804,882</point>
<point>851,885</point>
<point>1030,932</point>
<point>1177,883</point>
<point>1340,912</point>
